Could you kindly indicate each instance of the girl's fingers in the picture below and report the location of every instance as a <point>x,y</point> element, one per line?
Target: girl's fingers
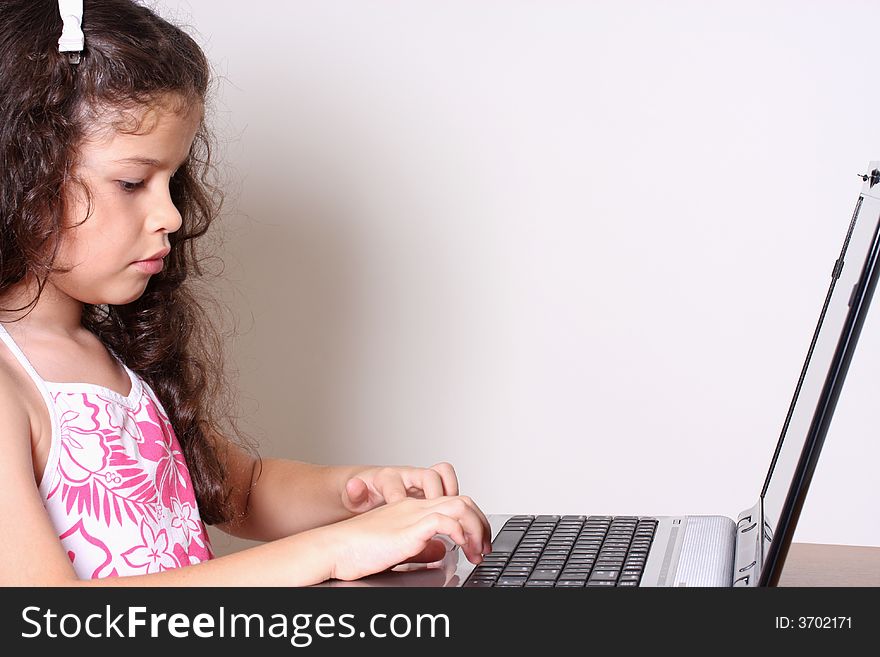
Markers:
<point>356,492</point>
<point>440,523</point>
<point>447,476</point>
<point>472,523</point>
<point>462,509</point>
<point>391,486</point>
<point>429,481</point>
<point>469,508</point>
<point>487,528</point>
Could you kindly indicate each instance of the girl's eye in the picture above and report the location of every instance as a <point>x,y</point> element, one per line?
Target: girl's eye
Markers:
<point>128,186</point>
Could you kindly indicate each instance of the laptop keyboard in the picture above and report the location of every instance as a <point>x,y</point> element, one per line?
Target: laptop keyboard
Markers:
<point>567,551</point>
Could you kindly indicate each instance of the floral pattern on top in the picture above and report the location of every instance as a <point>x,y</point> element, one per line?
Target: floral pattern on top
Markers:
<point>120,493</point>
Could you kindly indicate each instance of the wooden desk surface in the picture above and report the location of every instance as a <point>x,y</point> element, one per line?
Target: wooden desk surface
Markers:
<point>813,564</point>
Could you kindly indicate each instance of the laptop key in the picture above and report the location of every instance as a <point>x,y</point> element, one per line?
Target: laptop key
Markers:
<point>546,519</point>
<point>507,540</point>
<point>610,575</point>
<point>545,574</point>
<point>511,581</point>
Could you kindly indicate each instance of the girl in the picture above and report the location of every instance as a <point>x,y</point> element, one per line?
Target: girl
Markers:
<point>113,452</point>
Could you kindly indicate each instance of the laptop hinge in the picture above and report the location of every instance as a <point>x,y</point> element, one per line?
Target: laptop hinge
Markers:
<point>747,558</point>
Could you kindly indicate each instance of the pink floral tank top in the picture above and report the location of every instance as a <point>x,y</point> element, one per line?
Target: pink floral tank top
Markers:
<point>116,486</point>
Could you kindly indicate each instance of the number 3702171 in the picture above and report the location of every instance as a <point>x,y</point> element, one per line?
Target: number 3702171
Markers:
<point>814,622</point>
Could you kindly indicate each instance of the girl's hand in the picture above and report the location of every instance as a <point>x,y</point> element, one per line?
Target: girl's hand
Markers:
<point>405,531</point>
<point>375,486</point>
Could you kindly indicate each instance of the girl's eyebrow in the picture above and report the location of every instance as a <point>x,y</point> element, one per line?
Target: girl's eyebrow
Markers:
<point>146,161</point>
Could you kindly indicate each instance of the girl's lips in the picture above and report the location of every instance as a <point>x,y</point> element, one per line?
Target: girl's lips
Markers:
<point>150,266</point>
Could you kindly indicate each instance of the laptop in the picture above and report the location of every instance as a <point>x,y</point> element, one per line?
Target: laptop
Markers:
<point>599,551</point>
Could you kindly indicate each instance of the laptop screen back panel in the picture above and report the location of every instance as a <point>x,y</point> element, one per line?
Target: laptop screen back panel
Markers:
<point>853,279</point>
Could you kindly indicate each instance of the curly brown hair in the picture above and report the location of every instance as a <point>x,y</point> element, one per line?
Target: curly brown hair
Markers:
<point>133,58</point>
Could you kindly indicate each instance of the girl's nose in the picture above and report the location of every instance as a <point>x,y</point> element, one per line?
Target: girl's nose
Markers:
<point>164,215</point>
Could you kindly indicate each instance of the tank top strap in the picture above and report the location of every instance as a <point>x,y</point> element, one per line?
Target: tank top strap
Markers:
<point>25,363</point>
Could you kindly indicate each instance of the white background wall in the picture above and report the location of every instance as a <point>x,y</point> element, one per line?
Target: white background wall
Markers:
<point>550,242</point>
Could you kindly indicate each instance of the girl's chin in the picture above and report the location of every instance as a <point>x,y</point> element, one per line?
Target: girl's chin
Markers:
<point>133,294</point>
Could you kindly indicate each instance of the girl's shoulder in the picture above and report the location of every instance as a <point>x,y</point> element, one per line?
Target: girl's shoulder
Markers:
<point>14,379</point>
<point>20,394</point>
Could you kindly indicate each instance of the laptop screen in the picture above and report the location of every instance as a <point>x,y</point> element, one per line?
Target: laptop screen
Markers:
<point>810,409</point>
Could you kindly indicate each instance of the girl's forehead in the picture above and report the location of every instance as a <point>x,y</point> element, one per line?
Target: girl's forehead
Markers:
<point>155,132</point>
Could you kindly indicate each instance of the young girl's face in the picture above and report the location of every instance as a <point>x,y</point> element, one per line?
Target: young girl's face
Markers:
<point>132,212</point>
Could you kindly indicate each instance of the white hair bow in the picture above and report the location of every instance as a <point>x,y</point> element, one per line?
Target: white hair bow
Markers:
<point>72,39</point>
